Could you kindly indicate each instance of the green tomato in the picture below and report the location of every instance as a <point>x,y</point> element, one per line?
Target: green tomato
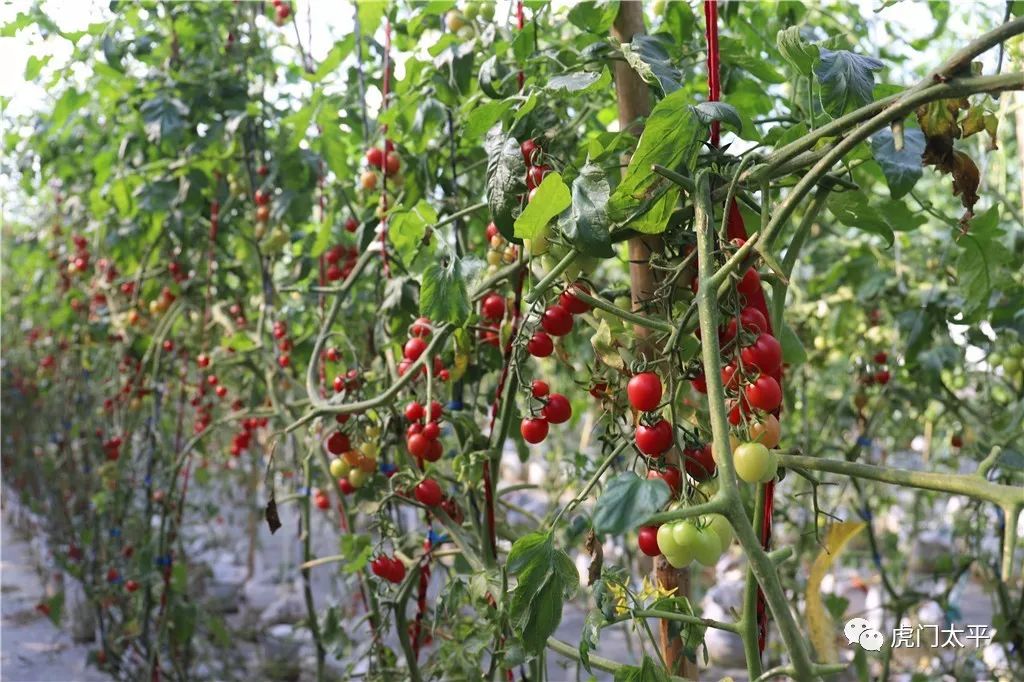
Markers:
<point>340,468</point>
<point>679,559</point>
<point>995,359</point>
<point>471,10</point>
<point>666,541</point>
<point>276,240</point>
<point>487,10</point>
<point>709,547</point>
<point>719,525</point>
<point>687,536</point>
<point>1011,365</point>
<point>658,7</point>
<point>358,478</point>
<point>755,463</point>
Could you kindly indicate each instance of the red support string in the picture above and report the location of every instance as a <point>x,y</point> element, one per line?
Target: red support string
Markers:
<point>737,230</point>
<point>517,314</point>
<point>385,92</point>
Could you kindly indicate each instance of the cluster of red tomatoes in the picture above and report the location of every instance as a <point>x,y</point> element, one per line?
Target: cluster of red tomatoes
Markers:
<point>340,261</point>
<point>284,343</point>
<point>422,437</point>
<point>414,348</point>
<point>546,407</point>
<point>386,160</point>
<point>389,568</point>
<point>241,440</point>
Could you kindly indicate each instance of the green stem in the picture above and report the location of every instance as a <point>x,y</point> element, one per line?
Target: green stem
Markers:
<point>634,318</point>
<point>961,484</point>
<point>728,493</point>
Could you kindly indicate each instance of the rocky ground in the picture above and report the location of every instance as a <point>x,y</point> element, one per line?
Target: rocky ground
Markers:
<point>31,648</point>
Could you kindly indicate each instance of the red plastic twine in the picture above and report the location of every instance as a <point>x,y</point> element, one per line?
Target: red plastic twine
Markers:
<point>517,315</point>
<point>737,230</point>
<point>385,92</point>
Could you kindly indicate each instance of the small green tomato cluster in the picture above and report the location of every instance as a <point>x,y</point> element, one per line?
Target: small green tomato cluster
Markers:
<point>702,540</point>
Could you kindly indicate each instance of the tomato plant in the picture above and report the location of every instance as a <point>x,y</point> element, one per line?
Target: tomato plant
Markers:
<point>747,279</point>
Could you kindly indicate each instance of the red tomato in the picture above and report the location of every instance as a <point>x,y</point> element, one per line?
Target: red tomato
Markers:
<point>429,493</point>
<point>414,348</point>
<point>700,463</point>
<point>644,391</point>
<point>414,411</point>
<point>375,157</point>
<point>647,539</point>
<point>671,475</point>
<point>338,443</point>
<point>557,410</point>
<point>750,284</point>
<point>765,354</point>
<point>418,445</point>
<point>540,345</point>
<point>556,321</point>
<point>539,389</point>
<point>534,430</point>
<point>493,307</point>
<point>654,440</point>
<point>764,394</point>
<point>569,301</point>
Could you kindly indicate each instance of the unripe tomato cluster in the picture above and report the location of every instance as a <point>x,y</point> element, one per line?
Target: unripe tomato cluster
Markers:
<point>499,250</point>
<point>353,467</point>
<point>683,542</point>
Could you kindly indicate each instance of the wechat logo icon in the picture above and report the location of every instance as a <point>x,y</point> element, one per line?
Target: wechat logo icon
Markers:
<point>859,631</point>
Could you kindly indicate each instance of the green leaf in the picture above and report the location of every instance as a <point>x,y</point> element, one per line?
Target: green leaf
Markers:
<point>628,501</point>
<point>706,112</point>
<point>481,119</point>
<point>590,637</point>
<point>545,578</point>
<point>580,81</point>
<point>506,171</point>
<point>586,225</point>
<point>370,13</point>
<point>735,53</point>
<point>163,117</point>
<point>655,219</point>
<point>793,352</point>
<point>800,54</point>
<point>332,61</point>
<point>357,550</point>
<point>443,295</point>
<point>853,209</point>
<point>902,168</point>
<point>407,228</point>
<point>649,56</point>
<point>551,198</point>
<point>34,65</point>
<point>691,634</point>
<point>672,137</point>
<point>847,80</point>
<point>595,17</point>
<point>649,671</point>
<point>981,258</point>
